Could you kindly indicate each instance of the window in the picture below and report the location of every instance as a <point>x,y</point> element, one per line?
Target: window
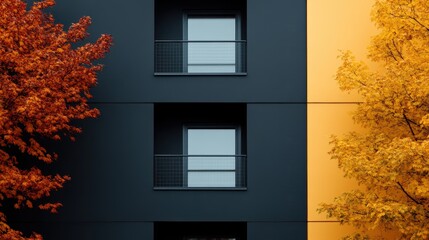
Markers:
<point>211,44</point>
<point>211,154</point>
<point>200,37</point>
<point>200,146</point>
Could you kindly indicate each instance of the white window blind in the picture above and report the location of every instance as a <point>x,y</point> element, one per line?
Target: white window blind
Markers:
<point>211,57</point>
<point>213,170</point>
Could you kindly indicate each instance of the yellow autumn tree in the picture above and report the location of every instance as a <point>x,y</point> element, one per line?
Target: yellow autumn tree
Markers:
<point>391,160</point>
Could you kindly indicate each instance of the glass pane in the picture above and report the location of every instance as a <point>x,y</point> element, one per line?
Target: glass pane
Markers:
<point>211,53</point>
<point>211,57</point>
<point>212,142</point>
<point>211,69</point>
<point>211,179</point>
<point>211,28</point>
<point>211,163</point>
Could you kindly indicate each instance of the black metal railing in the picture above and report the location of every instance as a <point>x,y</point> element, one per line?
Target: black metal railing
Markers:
<point>200,57</point>
<point>173,171</point>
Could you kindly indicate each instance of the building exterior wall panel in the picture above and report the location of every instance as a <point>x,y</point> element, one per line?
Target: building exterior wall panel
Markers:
<point>129,73</point>
<point>333,25</point>
<point>93,230</point>
<point>111,195</point>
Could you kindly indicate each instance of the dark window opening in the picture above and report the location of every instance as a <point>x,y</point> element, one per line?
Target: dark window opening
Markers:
<point>200,37</point>
<point>200,230</point>
<point>200,146</point>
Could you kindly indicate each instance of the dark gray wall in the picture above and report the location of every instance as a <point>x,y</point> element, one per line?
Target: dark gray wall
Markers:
<point>111,165</point>
<point>276,40</point>
<point>111,193</point>
<point>92,230</point>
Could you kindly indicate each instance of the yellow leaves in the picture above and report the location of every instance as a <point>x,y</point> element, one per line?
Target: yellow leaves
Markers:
<point>370,210</point>
<point>425,120</point>
<point>357,236</point>
<point>351,74</point>
<point>392,160</point>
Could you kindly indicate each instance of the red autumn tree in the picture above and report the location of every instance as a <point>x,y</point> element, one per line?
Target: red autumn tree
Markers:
<point>44,86</point>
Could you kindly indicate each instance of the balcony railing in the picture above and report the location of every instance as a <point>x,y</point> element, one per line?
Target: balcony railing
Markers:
<point>183,57</point>
<point>199,171</point>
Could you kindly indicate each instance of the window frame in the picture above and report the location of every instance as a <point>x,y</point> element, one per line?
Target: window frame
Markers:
<point>238,166</point>
<point>212,14</point>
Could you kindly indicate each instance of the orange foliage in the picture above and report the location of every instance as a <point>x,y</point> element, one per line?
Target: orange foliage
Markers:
<point>44,85</point>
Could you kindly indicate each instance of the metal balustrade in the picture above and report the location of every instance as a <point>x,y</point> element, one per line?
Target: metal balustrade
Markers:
<point>175,57</point>
<point>199,171</point>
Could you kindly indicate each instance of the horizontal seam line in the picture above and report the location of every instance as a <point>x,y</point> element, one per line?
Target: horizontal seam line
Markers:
<point>196,102</point>
<point>142,221</point>
<point>334,102</point>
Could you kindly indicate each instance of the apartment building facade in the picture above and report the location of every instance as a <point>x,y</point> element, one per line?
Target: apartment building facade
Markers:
<point>203,133</point>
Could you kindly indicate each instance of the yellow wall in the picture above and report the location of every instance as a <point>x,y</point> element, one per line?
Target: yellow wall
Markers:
<point>333,25</point>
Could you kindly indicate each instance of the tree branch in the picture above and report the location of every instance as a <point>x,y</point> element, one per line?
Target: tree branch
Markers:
<point>391,52</point>
<point>397,50</point>
<point>408,195</point>
<point>409,126</point>
<point>421,24</point>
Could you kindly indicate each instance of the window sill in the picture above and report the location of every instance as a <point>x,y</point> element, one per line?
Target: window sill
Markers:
<point>199,74</point>
<point>200,188</point>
